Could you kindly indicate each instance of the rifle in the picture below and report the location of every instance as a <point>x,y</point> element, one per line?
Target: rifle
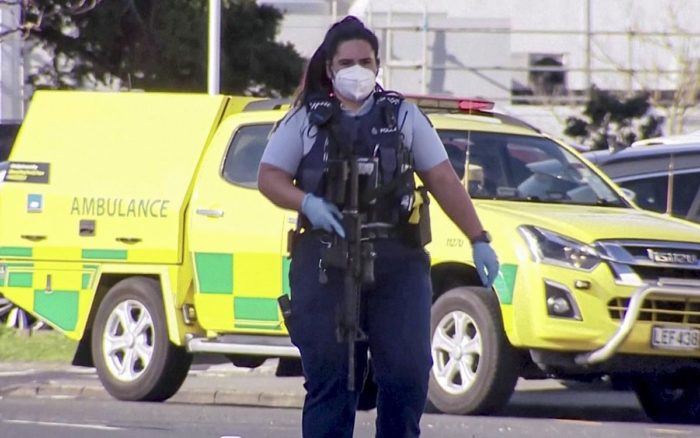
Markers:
<point>352,254</point>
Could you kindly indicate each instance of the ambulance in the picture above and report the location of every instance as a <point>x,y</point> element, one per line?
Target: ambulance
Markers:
<point>132,223</point>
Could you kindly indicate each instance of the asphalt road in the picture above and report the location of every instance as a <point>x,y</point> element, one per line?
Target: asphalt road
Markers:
<point>61,417</point>
<point>221,400</point>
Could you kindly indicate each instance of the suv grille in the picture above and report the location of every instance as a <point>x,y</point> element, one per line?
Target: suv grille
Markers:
<point>652,273</point>
<point>678,310</point>
<point>637,261</point>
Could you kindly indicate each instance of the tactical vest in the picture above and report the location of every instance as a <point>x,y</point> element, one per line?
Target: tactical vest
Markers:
<point>387,195</point>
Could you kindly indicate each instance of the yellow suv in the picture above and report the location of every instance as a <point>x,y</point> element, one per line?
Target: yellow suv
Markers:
<point>132,223</point>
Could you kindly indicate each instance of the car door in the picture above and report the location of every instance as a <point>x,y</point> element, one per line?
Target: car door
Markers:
<point>236,236</point>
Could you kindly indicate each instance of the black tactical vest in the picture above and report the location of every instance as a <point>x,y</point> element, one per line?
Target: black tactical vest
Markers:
<point>375,137</point>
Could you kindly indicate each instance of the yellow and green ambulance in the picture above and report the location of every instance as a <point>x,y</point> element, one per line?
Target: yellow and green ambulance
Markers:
<point>131,222</point>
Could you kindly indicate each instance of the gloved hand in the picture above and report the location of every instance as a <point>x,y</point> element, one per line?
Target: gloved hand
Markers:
<point>486,262</point>
<point>322,214</point>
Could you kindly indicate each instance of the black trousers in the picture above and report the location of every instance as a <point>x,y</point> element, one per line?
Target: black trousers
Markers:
<point>396,318</point>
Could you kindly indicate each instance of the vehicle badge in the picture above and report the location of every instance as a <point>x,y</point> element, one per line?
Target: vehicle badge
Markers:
<point>679,258</point>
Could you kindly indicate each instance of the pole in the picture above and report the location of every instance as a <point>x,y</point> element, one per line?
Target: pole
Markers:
<point>589,35</point>
<point>424,67</point>
<point>389,49</point>
<point>214,68</point>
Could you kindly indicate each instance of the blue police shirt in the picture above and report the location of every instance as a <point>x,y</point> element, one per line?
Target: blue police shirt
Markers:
<point>295,136</point>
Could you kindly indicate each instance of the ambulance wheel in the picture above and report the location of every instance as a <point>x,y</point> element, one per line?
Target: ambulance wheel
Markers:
<point>134,358</point>
<point>475,368</point>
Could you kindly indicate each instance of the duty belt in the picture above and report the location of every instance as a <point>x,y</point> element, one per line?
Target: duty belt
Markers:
<point>378,231</point>
<point>367,232</point>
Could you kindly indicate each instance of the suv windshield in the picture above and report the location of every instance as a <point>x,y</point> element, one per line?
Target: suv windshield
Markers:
<point>524,168</point>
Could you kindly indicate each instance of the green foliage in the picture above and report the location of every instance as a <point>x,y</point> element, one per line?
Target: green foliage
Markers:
<point>39,346</point>
<point>611,122</point>
<point>250,57</point>
<point>162,46</point>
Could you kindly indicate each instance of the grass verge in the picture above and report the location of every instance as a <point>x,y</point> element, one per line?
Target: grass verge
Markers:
<point>39,346</point>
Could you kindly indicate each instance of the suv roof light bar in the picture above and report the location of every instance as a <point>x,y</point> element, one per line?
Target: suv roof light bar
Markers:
<point>465,104</point>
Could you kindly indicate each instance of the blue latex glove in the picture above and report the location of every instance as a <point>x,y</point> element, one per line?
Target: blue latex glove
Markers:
<point>486,262</point>
<point>322,214</point>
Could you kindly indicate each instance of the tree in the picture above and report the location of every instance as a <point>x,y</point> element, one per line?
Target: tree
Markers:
<point>251,58</point>
<point>661,56</point>
<point>35,11</point>
<point>682,47</point>
<point>612,122</point>
<point>159,46</point>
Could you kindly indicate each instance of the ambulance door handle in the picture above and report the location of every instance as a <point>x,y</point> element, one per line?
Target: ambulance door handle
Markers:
<point>210,213</point>
<point>33,237</point>
<point>128,240</point>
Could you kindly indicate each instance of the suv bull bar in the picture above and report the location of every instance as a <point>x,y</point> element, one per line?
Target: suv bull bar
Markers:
<point>664,286</point>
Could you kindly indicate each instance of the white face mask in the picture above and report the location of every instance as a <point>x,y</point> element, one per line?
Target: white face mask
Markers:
<point>354,83</point>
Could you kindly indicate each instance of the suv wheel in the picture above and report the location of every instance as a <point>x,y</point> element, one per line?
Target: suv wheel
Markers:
<point>475,368</point>
<point>130,347</point>
<point>670,398</point>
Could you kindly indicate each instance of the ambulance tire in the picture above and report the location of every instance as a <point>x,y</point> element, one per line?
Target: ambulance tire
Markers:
<point>150,367</point>
<point>475,368</point>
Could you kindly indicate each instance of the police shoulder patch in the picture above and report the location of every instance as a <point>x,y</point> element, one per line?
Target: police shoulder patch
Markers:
<point>320,110</point>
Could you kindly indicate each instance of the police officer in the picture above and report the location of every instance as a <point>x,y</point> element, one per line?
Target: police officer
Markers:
<point>338,104</point>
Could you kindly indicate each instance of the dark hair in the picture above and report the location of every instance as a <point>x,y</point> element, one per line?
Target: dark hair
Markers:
<point>315,81</point>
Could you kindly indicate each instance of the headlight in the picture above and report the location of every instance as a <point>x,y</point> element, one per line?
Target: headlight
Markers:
<point>549,247</point>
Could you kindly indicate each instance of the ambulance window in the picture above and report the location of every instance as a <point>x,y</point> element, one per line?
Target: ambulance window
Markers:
<point>244,153</point>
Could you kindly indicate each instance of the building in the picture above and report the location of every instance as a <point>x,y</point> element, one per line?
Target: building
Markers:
<point>11,73</point>
<point>535,58</point>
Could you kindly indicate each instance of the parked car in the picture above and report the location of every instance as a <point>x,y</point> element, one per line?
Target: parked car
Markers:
<point>662,177</point>
<point>690,138</point>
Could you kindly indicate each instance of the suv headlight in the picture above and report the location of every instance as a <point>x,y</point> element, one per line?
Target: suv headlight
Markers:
<point>549,247</point>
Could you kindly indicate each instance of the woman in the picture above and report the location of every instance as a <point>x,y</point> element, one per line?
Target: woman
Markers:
<point>340,111</point>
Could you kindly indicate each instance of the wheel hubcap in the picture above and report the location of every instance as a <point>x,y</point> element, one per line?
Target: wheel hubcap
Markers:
<point>456,349</point>
<point>127,343</point>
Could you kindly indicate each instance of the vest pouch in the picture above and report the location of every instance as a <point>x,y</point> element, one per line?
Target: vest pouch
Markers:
<point>415,230</point>
<point>388,163</point>
<point>335,255</point>
<point>336,181</point>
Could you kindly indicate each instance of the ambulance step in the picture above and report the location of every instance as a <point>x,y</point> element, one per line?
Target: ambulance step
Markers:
<point>273,346</point>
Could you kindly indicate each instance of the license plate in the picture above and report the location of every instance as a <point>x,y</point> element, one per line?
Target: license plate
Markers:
<point>671,338</point>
